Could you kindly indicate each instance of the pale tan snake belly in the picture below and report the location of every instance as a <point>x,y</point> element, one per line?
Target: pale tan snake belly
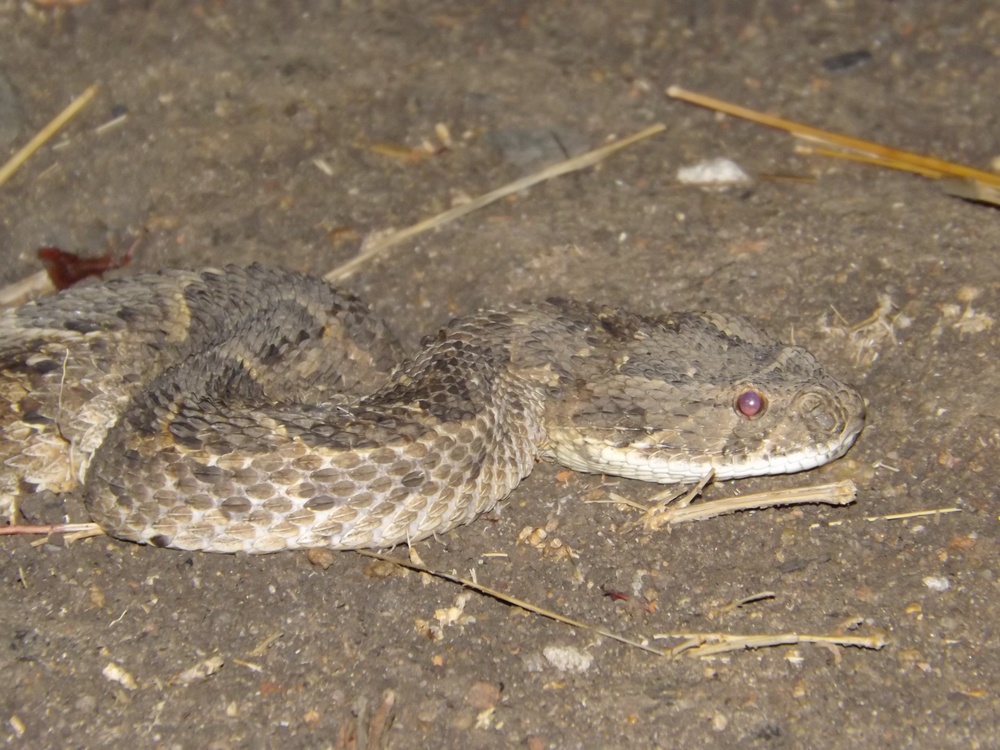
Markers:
<point>256,410</point>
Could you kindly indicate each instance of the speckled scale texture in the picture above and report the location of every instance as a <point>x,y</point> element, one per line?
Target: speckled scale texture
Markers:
<point>255,410</point>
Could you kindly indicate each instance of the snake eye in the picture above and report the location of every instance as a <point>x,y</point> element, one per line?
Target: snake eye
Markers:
<point>750,403</point>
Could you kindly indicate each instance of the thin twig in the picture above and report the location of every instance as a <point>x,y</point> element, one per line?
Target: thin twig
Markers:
<point>695,644</point>
<point>513,601</point>
<point>837,493</point>
<point>46,133</point>
<point>56,528</point>
<point>913,514</point>
<point>570,165</point>
<point>709,644</point>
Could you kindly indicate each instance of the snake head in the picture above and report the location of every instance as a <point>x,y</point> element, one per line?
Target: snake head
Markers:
<point>698,393</point>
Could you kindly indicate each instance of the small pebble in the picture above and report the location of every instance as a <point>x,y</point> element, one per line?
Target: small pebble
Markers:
<point>86,704</point>
<point>115,673</point>
<point>847,61</point>
<point>718,172</point>
<point>937,583</point>
<point>568,658</point>
<point>483,695</point>
<point>321,557</point>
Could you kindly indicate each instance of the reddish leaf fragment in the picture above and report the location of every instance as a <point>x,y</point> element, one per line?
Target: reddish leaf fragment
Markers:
<point>65,268</point>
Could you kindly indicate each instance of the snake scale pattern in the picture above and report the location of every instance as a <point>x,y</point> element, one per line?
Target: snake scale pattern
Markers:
<point>256,410</point>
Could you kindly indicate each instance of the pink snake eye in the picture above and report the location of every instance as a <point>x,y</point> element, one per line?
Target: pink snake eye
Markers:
<point>750,403</point>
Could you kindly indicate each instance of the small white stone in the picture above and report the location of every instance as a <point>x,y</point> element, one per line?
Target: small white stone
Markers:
<point>715,172</point>
<point>937,583</point>
<point>115,673</point>
<point>568,658</point>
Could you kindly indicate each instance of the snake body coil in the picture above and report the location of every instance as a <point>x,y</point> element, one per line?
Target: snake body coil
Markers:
<point>255,410</point>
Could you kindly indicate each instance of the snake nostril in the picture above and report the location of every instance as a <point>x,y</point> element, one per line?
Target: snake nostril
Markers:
<point>819,411</point>
<point>822,419</point>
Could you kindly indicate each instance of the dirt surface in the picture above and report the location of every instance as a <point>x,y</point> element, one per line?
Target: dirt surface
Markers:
<point>285,133</point>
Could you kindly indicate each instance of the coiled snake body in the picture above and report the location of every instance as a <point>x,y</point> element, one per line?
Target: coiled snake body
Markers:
<point>255,410</point>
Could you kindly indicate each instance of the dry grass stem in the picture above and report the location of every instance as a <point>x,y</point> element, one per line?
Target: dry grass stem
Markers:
<point>45,134</point>
<point>700,645</point>
<point>513,601</point>
<point>971,190</point>
<point>834,153</point>
<point>71,531</point>
<point>913,514</point>
<point>38,283</point>
<point>574,164</point>
<point>749,599</point>
<point>657,505</point>
<point>25,290</point>
<point>695,644</point>
<point>837,493</point>
<point>111,124</point>
<point>846,147</point>
<point>60,528</point>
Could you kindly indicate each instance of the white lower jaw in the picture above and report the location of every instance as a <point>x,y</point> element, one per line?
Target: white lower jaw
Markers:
<point>661,469</point>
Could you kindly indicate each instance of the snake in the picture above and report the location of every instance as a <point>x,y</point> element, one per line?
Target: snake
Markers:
<point>258,409</point>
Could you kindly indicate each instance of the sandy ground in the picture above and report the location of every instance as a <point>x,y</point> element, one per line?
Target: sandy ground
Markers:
<point>282,133</point>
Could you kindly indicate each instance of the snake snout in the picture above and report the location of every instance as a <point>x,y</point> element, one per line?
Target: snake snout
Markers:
<point>831,412</point>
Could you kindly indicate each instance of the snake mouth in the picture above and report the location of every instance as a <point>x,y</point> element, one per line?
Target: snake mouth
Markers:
<point>794,462</point>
